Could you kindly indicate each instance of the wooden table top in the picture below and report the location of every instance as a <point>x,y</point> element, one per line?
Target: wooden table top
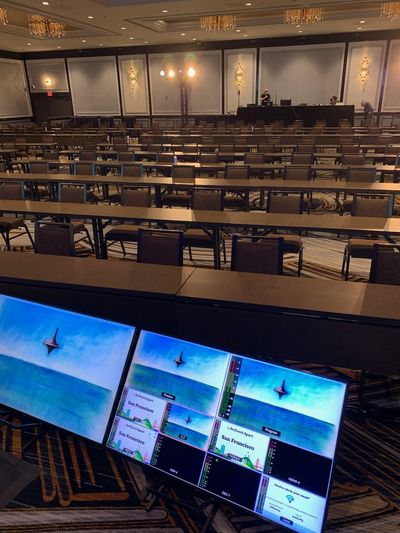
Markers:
<point>124,276</point>
<point>323,223</point>
<point>207,182</point>
<point>210,166</point>
<point>288,294</point>
<point>335,298</point>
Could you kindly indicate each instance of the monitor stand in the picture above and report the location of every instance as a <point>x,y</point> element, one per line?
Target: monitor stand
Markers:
<point>155,490</point>
<point>4,420</point>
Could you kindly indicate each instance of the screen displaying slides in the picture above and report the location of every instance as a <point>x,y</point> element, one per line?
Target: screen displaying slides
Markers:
<point>281,402</point>
<point>256,434</point>
<point>61,367</point>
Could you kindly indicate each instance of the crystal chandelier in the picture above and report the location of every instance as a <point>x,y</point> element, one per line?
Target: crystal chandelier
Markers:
<point>218,22</point>
<point>307,15</point>
<point>390,10</point>
<point>44,27</point>
<point>3,16</point>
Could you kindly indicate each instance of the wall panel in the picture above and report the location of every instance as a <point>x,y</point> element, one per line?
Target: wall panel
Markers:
<point>356,90</point>
<point>94,86</point>
<point>14,94</point>
<point>47,75</point>
<point>135,98</point>
<point>247,60</point>
<point>204,89</point>
<point>391,95</point>
<point>308,74</point>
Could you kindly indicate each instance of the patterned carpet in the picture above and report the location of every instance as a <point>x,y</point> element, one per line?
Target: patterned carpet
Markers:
<point>84,488</point>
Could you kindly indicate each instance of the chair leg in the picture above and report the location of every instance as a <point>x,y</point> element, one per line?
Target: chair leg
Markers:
<point>346,276</point>
<point>344,261</point>
<point>300,263</point>
<point>224,249</point>
<point>190,253</point>
<point>29,234</point>
<point>123,247</point>
<point>6,237</point>
<point>89,239</point>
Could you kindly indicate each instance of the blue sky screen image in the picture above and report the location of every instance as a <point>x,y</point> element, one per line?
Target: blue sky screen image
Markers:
<point>300,408</point>
<point>190,426</point>
<point>61,367</point>
<point>180,371</point>
<point>306,393</point>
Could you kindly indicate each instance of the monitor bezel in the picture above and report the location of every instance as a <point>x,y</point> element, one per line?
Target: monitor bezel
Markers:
<point>216,497</point>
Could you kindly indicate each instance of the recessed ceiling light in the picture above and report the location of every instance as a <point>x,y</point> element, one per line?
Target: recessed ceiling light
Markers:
<point>362,21</point>
<point>146,42</point>
<point>131,38</point>
<point>29,44</point>
<point>359,28</point>
<point>165,10</point>
<point>194,39</point>
<point>300,31</point>
<point>123,28</point>
<point>249,4</point>
<point>84,40</point>
<point>183,34</point>
<point>45,3</point>
<point>100,44</point>
<point>90,16</point>
<point>245,35</point>
<point>58,47</point>
<point>238,31</point>
<point>298,26</point>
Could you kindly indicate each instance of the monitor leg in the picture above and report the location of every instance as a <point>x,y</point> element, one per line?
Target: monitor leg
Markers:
<point>24,427</point>
<point>155,490</point>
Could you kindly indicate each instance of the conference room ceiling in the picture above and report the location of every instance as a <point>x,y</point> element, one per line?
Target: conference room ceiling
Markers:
<point>125,23</point>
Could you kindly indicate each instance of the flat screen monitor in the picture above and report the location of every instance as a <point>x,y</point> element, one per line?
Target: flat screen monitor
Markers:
<point>61,367</point>
<point>286,102</point>
<point>259,435</point>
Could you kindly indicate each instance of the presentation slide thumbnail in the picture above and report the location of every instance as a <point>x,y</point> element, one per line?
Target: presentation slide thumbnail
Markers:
<point>178,371</point>
<point>130,439</point>
<point>180,460</point>
<point>291,506</point>
<point>61,367</point>
<point>306,470</point>
<point>282,402</point>
<point>186,425</point>
<point>230,481</point>
<point>142,408</point>
<point>240,445</point>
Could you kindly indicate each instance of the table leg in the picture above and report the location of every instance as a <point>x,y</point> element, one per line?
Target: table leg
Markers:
<point>98,237</point>
<point>217,246</point>
<point>157,194</point>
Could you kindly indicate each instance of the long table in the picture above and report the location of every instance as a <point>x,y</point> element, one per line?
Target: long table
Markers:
<point>212,220</point>
<point>346,324</point>
<point>103,166</point>
<point>206,182</point>
<point>309,114</point>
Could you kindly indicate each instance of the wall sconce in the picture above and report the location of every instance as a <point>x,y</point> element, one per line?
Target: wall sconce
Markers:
<point>239,78</point>
<point>364,70</point>
<point>239,75</point>
<point>132,75</point>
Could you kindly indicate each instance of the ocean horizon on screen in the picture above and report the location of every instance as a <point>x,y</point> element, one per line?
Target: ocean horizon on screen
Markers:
<point>191,375</point>
<point>61,367</point>
<point>294,428</point>
<point>188,426</point>
<point>305,409</point>
<point>305,393</point>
